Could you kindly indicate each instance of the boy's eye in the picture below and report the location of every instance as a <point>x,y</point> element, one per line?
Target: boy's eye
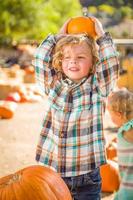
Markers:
<point>66,58</point>
<point>81,57</point>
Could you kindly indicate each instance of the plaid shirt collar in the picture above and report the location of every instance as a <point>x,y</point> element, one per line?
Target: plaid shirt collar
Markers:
<point>71,84</point>
<point>66,92</point>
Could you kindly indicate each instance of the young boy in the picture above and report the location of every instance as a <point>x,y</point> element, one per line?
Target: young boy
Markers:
<point>77,74</point>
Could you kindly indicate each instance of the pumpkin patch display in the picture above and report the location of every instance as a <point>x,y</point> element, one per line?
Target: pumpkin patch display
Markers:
<point>81,25</point>
<point>7,109</point>
<point>34,183</point>
<point>22,91</point>
<point>110,176</point>
<point>13,96</point>
<point>29,70</point>
<point>26,94</point>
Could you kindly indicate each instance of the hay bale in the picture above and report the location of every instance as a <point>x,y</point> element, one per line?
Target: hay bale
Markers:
<point>29,78</point>
<point>5,89</point>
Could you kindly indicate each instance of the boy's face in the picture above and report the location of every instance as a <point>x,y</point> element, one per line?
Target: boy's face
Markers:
<point>77,61</point>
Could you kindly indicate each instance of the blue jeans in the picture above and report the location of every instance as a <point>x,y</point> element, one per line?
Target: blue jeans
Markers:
<point>86,186</point>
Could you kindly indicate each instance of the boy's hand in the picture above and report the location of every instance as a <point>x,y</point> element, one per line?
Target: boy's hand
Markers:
<point>63,29</point>
<point>98,27</point>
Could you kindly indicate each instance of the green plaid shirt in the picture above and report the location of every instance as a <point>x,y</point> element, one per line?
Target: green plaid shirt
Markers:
<point>72,140</point>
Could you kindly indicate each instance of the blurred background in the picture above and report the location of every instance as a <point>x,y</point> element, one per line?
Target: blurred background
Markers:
<point>23,25</point>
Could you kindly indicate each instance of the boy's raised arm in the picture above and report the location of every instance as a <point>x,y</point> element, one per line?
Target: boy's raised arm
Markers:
<point>45,73</point>
<point>108,66</point>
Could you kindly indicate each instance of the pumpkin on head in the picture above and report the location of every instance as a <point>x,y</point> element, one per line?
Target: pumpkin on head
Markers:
<point>34,183</point>
<point>81,24</point>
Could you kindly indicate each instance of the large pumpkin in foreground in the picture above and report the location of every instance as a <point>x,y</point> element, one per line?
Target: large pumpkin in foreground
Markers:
<point>34,183</point>
<point>81,25</point>
<point>110,176</point>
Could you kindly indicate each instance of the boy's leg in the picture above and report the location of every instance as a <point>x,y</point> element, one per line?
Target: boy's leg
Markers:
<point>85,187</point>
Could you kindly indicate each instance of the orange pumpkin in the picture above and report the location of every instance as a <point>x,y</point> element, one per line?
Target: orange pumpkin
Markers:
<point>7,109</point>
<point>111,150</point>
<point>22,92</point>
<point>29,70</point>
<point>24,97</point>
<point>13,96</point>
<point>34,183</point>
<point>81,25</point>
<point>110,176</point>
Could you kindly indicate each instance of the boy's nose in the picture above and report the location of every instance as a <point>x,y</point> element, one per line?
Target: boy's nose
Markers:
<point>73,61</point>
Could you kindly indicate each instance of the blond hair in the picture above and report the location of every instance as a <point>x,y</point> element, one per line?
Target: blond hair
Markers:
<point>72,40</point>
<point>122,101</point>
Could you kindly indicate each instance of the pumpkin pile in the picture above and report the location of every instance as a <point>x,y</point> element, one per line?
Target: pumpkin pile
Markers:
<point>29,75</point>
<point>23,94</point>
<point>11,95</point>
<point>81,25</point>
<point>34,183</point>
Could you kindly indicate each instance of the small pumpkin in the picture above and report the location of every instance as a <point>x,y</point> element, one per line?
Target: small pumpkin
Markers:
<point>81,25</point>
<point>24,97</point>
<point>29,70</point>
<point>111,150</point>
<point>13,96</point>
<point>110,176</point>
<point>7,109</point>
<point>34,183</point>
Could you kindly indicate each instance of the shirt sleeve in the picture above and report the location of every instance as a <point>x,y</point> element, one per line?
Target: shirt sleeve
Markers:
<point>107,69</point>
<point>46,126</point>
<point>45,73</point>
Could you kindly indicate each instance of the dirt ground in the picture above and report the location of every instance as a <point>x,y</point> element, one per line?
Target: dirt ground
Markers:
<point>19,136</point>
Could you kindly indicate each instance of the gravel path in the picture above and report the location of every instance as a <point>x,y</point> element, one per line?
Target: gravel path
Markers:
<point>19,136</point>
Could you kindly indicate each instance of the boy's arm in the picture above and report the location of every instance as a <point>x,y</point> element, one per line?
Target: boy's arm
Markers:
<point>45,73</point>
<point>108,66</point>
<point>46,126</point>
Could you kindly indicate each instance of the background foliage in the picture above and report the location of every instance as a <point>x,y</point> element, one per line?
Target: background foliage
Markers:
<point>34,19</point>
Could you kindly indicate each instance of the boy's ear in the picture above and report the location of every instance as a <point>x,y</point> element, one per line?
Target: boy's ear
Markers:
<point>119,114</point>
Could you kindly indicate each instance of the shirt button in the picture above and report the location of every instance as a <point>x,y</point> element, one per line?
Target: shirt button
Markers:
<point>63,155</point>
<point>61,135</point>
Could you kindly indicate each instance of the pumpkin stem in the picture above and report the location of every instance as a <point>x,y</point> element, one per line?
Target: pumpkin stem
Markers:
<point>10,179</point>
<point>15,178</point>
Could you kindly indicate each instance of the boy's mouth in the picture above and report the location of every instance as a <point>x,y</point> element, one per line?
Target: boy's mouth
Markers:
<point>74,69</point>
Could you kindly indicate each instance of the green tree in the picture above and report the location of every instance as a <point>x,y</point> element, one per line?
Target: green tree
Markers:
<point>114,3</point>
<point>33,19</point>
<point>18,18</point>
<point>109,10</point>
<point>56,13</point>
<point>126,12</point>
